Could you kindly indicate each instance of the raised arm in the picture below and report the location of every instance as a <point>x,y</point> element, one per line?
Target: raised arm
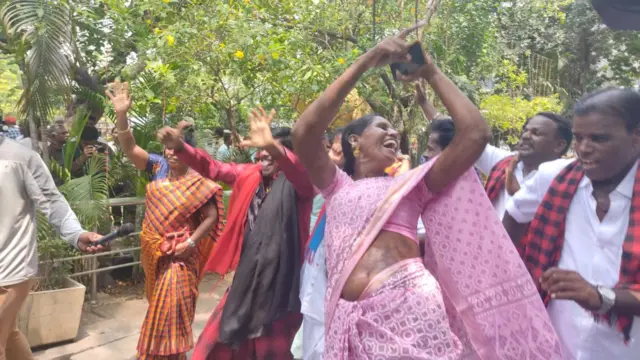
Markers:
<point>430,111</point>
<point>260,137</point>
<point>198,159</point>
<point>309,131</point>
<point>472,132</point>
<point>119,95</point>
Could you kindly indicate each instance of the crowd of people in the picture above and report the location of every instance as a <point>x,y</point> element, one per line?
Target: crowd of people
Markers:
<point>341,250</point>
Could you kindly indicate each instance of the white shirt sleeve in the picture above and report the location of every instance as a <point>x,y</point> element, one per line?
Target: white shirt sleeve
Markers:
<point>523,205</point>
<point>421,230</point>
<point>490,157</point>
<point>43,192</point>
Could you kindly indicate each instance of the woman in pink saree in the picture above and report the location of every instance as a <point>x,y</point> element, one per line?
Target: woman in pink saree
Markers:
<point>470,297</point>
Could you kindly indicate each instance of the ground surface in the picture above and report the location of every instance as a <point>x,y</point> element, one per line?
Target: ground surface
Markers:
<point>109,331</point>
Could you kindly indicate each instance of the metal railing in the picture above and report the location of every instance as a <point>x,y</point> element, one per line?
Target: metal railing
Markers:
<point>94,268</point>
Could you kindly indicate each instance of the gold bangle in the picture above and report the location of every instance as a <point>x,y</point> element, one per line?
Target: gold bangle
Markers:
<point>127,130</point>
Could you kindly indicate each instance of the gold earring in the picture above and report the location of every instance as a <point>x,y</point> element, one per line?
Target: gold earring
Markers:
<point>356,150</point>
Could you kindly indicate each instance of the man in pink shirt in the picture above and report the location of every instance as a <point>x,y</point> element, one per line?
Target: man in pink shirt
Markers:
<point>266,231</point>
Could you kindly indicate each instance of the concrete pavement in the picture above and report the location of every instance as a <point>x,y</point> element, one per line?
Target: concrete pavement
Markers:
<point>110,330</point>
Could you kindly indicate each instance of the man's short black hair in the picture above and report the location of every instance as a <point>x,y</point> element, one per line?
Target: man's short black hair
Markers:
<point>90,133</point>
<point>564,127</point>
<point>219,131</point>
<point>446,130</point>
<point>621,103</point>
<point>283,134</point>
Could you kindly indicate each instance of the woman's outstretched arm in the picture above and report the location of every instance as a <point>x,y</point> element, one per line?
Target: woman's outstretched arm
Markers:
<point>472,132</point>
<point>121,100</point>
<point>309,130</point>
<point>429,111</point>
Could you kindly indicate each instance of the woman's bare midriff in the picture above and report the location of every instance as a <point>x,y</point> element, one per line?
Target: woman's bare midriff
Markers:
<point>387,249</point>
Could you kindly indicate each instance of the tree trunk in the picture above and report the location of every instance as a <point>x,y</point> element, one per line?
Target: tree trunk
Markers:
<point>231,119</point>
<point>33,127</point>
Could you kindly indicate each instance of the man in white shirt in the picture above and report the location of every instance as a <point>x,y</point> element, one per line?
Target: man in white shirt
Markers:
<point>545,137</point>
<point>26,184</point>
<point>583,241</point>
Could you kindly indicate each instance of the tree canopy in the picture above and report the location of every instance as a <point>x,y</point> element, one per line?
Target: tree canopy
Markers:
<point>213,60</point>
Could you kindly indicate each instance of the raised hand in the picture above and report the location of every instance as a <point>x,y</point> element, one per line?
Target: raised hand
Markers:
<point>421,97</point>
<point>171,138</point>
<point>119,95</point>
<point>260,130</point>
<point>511,183</point>
<point>424,72</point>
<point>392,49</point>
<point>184,124</point>
<point>88,151</point>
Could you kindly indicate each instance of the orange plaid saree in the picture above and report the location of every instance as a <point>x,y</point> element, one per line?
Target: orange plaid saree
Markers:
<point>171,284</point>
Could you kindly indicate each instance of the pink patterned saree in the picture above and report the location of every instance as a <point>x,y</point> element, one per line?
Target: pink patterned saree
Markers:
<point>470,298</point>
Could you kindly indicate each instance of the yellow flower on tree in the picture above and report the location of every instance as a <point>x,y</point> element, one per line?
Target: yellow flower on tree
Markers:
<point>166,1</point>
<point>260,57</point>
<point>170,40</point>
<point>222,45</point>
<point>239,54</point>
<point>275,55</point>
<point>356,51</point>
<point>157,31</point>
<point>341,61</point>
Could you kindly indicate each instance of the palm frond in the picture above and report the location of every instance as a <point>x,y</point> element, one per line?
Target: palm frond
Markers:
<point>45,230</point>
<point>60,171</point>
<point>88,194</point>
<point>74,136</point>
<point>45,28</point>
<point>121,172</point>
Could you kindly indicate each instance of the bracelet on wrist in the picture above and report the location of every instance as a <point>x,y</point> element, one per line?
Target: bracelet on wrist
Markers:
<point>125,131</point>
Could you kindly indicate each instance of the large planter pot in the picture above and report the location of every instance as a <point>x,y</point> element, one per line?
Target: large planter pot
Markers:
<point>52,316</point>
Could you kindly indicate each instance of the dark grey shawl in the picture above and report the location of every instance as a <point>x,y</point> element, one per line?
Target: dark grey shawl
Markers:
<point>266,284</point>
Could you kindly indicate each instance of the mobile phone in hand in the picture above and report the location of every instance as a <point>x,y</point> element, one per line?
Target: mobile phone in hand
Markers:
<point>417,60</point>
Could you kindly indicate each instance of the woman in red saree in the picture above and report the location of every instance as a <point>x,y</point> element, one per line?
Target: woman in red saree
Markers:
<point>470,297</point>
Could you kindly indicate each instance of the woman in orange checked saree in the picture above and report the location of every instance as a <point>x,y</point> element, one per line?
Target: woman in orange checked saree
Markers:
<point>470,297</point>
<point>183,219</point>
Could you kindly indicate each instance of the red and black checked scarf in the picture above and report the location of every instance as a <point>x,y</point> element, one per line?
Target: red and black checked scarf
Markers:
<point>497,178</point>
<point>545,238</point>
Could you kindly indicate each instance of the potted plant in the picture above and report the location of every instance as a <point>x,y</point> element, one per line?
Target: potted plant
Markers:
<point>53,309</point>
